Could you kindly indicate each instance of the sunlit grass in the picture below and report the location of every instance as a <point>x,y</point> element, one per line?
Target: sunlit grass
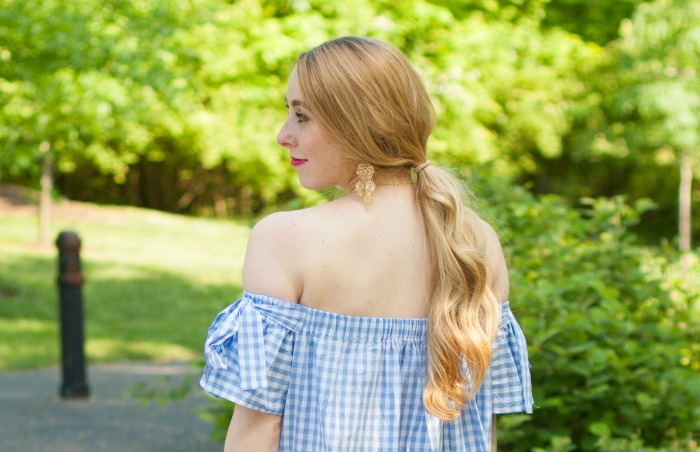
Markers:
<point>100,350</point>
<point>153,284</point>
<point>28,343</point>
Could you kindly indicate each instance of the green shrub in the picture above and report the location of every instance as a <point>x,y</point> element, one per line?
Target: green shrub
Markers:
<point>613,345</point>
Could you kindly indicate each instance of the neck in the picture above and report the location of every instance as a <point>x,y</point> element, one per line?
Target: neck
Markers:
<point>390,176</point>
<point>395,183</point>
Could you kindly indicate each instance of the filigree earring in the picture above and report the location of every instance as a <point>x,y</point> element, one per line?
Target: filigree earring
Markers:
<point>365,185</point>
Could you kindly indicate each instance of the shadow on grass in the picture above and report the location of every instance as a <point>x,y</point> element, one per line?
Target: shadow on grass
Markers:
<point>131,312</point>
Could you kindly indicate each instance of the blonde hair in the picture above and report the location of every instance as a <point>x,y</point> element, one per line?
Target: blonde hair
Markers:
<point>367,95</point>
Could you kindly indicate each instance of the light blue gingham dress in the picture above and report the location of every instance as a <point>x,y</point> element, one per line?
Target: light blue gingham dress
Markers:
<point>344,383</point>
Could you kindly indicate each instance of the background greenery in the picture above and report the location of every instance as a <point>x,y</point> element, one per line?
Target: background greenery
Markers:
<point>154,282</point>
<point>612,326</point>
<point>172,104</point>
<point>570,119</point>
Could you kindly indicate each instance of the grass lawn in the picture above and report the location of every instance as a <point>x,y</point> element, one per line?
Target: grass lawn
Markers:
<point>154,283</point>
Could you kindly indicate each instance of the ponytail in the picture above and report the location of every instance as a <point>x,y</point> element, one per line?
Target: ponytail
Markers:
<point>463,314</point>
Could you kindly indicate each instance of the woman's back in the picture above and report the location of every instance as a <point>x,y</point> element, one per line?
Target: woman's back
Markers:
<point>342,258</point>
<point>366,263</point>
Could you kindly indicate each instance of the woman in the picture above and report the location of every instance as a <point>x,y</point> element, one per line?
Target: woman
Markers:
<point>377,321</point>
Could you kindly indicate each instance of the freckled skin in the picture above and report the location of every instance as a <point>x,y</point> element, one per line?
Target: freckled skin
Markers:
<point>324,164</point>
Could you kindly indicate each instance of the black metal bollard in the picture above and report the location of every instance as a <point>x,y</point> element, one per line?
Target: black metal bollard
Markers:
<point>70,281</point>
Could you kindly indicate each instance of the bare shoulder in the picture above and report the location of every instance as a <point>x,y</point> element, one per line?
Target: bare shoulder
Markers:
<point>493,242</point>
<point>269,266</point>
<point>498,270</point>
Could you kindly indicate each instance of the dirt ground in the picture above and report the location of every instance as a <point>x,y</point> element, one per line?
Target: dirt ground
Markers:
<point>16,200</point>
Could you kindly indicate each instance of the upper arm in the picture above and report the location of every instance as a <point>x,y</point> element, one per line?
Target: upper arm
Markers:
<point>252,430</point>
<point>498,270</point>
<point>494,436</point>
<point>270,266</point>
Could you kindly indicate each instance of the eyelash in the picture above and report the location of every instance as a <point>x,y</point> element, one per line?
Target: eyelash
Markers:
<point>301,117</point>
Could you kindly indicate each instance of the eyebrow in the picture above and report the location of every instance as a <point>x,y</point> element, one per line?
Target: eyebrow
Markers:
<point>295,103</point>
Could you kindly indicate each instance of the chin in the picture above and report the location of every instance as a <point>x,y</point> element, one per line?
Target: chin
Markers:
<point>311,186</point>
<point>317,185</point>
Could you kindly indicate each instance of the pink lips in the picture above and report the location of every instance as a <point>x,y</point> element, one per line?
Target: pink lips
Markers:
<point>297,162</point>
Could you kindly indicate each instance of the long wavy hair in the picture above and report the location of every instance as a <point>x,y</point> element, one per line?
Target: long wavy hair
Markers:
<point>367,95</point>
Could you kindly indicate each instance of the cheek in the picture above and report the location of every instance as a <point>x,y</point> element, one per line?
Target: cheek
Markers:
<point>342,167</point>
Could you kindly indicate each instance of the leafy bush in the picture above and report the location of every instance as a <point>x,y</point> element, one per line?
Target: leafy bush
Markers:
<point>613,345</point>
<point>614,350</point>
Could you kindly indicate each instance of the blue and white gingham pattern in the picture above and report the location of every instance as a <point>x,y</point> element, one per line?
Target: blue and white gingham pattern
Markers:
<point>510,348</point>
<point>347,383</point>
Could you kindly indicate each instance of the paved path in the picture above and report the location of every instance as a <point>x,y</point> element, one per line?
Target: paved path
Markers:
<point>34,418</point>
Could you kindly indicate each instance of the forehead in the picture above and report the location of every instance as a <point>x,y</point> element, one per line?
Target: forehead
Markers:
<point>293,86</point>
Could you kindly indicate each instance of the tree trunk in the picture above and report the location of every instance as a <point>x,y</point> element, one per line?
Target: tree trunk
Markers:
<point>684,192</point>
<point>45,196</point>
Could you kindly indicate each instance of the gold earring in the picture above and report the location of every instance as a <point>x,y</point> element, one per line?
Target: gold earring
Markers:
<point>365,186</point>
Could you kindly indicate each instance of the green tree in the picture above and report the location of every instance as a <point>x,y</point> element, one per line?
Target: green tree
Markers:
<point>625,125</point>
<point>597,22</point>
<point>659,60</point>
<point>175,105</point>
<point>610,326</point>
<point>98,84</point>
<point>499,10</point>
<point>163,103</point>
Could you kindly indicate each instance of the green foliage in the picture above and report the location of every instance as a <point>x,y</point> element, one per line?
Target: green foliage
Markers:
<point>635,116</point>
<point>612,337</point>
<point>655,107</point>
<point>594,21</point>
<point>175,105</point>
<point>502,10</point>
<point>166,389</point>
<point>658,59</point>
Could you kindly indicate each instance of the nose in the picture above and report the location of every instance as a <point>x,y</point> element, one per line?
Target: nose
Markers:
<point>285,137</point>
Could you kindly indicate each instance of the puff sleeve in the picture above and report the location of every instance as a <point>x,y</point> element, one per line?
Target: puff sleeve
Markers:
<point>249,351</point>
<point>511,387</point>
